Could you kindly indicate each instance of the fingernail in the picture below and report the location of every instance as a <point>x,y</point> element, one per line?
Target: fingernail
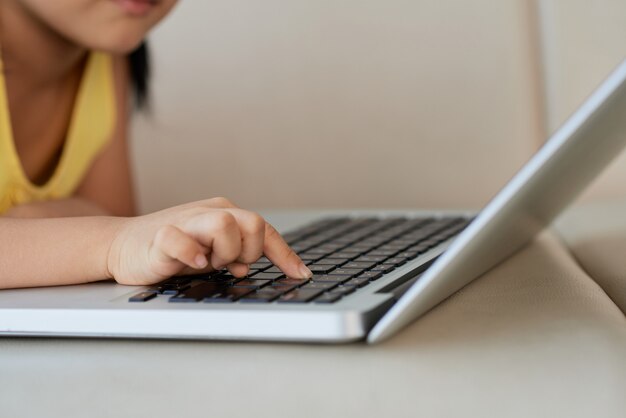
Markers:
<point>201,261</point>
<point>305,272</point>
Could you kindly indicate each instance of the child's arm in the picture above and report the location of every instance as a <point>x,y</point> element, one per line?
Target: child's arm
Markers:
<point>44,252</point>
<point>205,235</point>
<point>61,208</point>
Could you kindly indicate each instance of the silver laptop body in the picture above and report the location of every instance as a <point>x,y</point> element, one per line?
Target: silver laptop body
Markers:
<point>568,162</point>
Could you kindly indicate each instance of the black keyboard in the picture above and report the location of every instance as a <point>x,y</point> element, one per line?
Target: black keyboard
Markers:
<point>344,254</point>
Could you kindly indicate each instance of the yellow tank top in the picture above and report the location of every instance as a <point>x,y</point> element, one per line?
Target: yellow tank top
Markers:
<point>91,127</point>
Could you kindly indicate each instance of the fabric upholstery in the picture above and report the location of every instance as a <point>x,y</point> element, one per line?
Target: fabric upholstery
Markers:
<point>596,236</point>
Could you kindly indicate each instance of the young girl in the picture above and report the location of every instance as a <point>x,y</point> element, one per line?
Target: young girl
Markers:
<point>66,199</point>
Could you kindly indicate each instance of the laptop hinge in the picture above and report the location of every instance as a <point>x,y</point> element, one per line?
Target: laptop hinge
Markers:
<point>402,284</point>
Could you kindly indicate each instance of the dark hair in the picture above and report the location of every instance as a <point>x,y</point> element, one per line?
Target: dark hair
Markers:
<point>139,65</point>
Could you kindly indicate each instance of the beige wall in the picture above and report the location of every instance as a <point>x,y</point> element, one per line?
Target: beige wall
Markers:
<point>366,103</point>
<point>354,103</point>
<point>583,41</point>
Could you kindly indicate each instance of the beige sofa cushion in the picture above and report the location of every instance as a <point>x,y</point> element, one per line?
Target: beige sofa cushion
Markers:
<point>596,236</point>
<point>354,103</point>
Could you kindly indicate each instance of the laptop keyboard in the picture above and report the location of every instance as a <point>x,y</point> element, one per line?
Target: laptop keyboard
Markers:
<point>344,254</point>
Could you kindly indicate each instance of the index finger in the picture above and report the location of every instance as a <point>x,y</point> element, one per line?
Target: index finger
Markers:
<point>278,252</point>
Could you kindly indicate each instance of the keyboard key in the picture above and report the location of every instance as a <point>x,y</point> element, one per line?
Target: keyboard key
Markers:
<point>169,288</point>
<point>223,279</point>
<point>360,265</point>
<point>180,281</point>
<point>333,261</point>
<point>372,241</point>
<point>355,251</point>
<point>252,283</point>
<point>290,281</point>
<point>265,295</point>
<point>387,253</point>
<point>282,288</point>
<point>348,272</point>
<point>142,297</point>
<point>321,251</point>
<point>415,238</point>
<point>309,257</point>
<point>442,236</point>
<point>419,248</point>
<point>394,246</point>
<point>336,278</point>
<point>408,254</point>
<point>198,292</point>
<point>404,240</point>
<point>266,276</point>
<point>314,241</point>
<point>371,258</point>
<point>321,268</point>
<point>370,275</point>
<point>229,294</point>
<point>384,268</point>
<point>300,295</point>
<point>398,261</point>
<point>332,246</point>
<point>273,269</point>
<point>328,298</point>
<point>318,285</point>
<point>344,254</point>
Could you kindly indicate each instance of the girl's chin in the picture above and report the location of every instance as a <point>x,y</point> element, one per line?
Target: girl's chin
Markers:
<point>117,45</point>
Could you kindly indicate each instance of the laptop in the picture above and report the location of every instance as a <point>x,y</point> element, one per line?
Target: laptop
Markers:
<point>373,272</point>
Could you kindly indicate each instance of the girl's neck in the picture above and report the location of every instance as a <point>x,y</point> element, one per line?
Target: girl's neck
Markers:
<point>32,52</point>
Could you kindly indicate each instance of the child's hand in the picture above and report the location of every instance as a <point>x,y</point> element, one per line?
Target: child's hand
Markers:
<point>201,236</point>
